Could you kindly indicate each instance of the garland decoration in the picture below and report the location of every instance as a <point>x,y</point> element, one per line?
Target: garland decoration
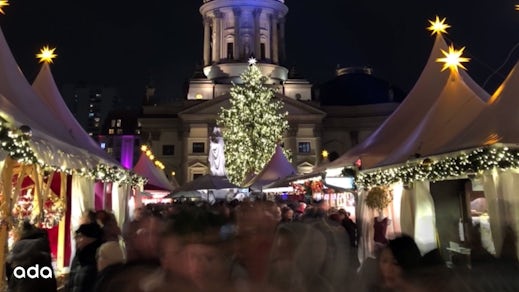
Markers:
<point>460,164</point>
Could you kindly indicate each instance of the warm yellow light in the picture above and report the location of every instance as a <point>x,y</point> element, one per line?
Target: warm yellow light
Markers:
<point>3,3</point>
<point>199,96</point>
<point>152,156</point>
<point>148,152</point>
<point>144,148</point>
<point>453,59</point>
<point>173,173</point>
<point>516,6</point>
<point>46,54</point>
<point>324,154</point>
<point>438,26</point>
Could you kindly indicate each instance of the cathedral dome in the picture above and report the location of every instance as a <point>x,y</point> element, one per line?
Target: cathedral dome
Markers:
<point>357,86</point>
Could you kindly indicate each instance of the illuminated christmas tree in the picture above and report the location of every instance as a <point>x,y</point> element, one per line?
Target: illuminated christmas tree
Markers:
<point>252,126</point>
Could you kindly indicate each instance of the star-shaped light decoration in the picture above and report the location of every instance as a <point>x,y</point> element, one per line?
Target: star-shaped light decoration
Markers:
<point>438,26</point>
<point>46,54</point>
<point>252,61</point>
<point>453,59</point>
<point>3,3</point>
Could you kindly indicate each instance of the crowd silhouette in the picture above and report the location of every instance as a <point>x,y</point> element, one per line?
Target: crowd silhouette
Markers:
<point>252,246</point>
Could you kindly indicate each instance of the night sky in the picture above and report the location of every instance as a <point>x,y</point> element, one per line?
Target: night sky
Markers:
<point>128,43</point>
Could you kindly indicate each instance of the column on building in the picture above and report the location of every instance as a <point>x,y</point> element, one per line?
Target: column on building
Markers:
<point>207,40</point>
<point>237,39</point>
<point>282,38</point>
<point>275,38</point>
<point>257,34</point>
<point>217,35</point>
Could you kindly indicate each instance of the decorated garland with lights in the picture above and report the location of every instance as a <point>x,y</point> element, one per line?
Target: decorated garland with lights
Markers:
<point>16,143</point>
<point>252,125</point>
<point>461,164</point>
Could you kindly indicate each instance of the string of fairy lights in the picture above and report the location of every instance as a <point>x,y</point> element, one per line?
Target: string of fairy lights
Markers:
<point>461,164</point>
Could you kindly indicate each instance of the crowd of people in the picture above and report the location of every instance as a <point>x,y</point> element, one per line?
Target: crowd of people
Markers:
<point>249,246</point>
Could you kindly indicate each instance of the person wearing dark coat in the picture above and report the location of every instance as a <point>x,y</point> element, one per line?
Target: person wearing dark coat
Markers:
<point>29,264</point>
<point>83,270</point>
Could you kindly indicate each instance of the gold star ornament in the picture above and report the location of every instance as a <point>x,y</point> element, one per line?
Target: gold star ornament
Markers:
<point>453,59</point>
<point>46,55</point>
<point>438,26</point>
<point>3,3</point>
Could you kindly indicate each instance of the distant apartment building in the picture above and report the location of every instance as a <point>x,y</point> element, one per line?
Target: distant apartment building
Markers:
<point>90,104</point>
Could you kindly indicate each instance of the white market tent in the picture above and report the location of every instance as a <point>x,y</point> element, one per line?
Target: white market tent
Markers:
<point>437,97</point>
<point>495,128</point>
<point>438,108</point>
<point>56,141</point>
<point>157,180</point>
<point>498,123</point>
<point>277,168</point>
<point>45,86</point>
<point>52,140</point>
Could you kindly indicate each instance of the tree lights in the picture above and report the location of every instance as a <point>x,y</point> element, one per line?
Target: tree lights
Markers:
<point>252,126</point>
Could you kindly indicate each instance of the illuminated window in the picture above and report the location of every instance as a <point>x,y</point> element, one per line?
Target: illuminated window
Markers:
<point>303,147</point>
<point>118,123</point>
<point>198,147</point>
<point>112,123</point>
<point>111,131</point>
<point>119,131</point>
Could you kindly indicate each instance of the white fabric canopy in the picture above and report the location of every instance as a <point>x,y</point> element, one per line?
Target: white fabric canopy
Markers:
<point>498,123</point>
<point>156,177</point>
<point>277,168</point>
<point>52,140</point>
<point>45,86</point>
<point>411,126</point>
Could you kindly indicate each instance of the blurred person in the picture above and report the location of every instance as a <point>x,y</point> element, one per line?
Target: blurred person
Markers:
<point>310,255</point>
<point>194,255</point>
<point>31,249</point>
<point>287,214</point>
<point>256,225</point>
<point>398,262</point>
<point>83,270</point>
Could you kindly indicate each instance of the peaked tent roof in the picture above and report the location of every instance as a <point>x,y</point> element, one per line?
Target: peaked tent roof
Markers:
<point>45,86</point>
<point>277,168</point>
<point>402,124</point>
<point>497,123</point>
<point>455,109</point>
<point>20,105</point>
<point>156,177</point>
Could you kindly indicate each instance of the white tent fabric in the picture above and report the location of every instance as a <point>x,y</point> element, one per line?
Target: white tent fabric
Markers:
<point>401,126</point>
<point>498,123</point>
<point>45,86</point>
<point>454,109</point>
<point>277,168</point>
<point>156,177</point>
<point>52,141</point>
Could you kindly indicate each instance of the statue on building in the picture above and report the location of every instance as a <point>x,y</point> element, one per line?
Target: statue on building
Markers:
<point>216,155</point>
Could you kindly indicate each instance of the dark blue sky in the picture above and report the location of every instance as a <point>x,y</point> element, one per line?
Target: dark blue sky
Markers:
<point>124,43</point>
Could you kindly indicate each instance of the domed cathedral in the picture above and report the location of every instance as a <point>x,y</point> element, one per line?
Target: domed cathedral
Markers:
<point>236,30</point>
<point>233,32</point>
